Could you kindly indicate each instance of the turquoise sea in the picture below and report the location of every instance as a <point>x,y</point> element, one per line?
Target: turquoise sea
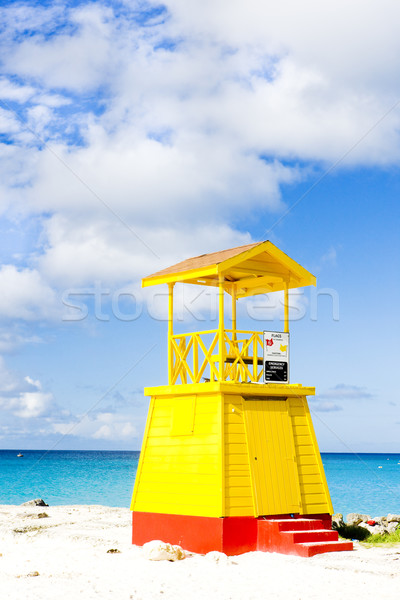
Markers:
<point>367,483</point>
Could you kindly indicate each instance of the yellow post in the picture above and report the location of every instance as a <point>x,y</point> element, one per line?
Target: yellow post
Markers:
<point>170,331</point>
<point>234,327</point>
<point>221,342</point>
<point>233,313</point>
<point>286,308</point>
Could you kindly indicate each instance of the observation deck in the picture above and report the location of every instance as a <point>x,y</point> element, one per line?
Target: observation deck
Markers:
<point>227,354</point>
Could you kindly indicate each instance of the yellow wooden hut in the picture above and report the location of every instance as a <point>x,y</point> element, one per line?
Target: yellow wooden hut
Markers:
<point>228,462</point>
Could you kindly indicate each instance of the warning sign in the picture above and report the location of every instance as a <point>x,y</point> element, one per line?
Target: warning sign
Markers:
<point>276,357</point>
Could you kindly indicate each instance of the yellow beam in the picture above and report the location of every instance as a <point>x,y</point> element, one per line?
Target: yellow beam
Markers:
<point>259,267</point>
<point>227,265</point>
<point>266,281</point>
<point>181,276</point>
<point>282,261</point>
<point>274,287</point>
<point>230,387</point>
<point>306,277</point>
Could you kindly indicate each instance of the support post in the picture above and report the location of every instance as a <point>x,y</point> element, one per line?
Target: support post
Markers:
<point>233,313</point>
<point>286,308</point>
<point>221,341</point>
<point>170,331</point>
<point>234,369</point>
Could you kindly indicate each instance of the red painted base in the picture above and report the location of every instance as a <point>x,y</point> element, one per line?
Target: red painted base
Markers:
<point>300,535</point>
<point>231,535</point>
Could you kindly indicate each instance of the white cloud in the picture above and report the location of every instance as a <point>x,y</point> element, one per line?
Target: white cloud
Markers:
<point>8,123</point>
<point>348,41</point>
<point>11,91</point>
<point>99,426</point>
<point>347,392</point>
<point>106,250</point>
<point>23,398</point>
<point>31,404</point>
<point>178,146</point>
<point>25,295</point>
<point>12,339</point>
<point>326,407</point>
<point>343,393</point>
<point>115,431</point>
<point>68,60</point>
<point>191,140</point>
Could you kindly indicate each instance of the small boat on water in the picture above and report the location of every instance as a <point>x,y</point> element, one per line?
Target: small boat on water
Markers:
<point>19,455</point>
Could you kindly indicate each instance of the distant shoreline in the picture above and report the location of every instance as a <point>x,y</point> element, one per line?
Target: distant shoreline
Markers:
<point>19,449</point>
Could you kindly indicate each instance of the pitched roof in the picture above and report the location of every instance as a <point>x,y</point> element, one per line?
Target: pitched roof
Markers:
<point>204,260</point>
<point>251,269</point>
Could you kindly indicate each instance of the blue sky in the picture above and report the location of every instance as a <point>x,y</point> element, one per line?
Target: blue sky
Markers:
<point>136,134</point>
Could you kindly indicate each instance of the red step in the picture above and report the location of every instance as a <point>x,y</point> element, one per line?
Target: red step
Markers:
<point>294,524</point>
<point>298,536</point>
<point>313,535</point>
<point>313,548</point>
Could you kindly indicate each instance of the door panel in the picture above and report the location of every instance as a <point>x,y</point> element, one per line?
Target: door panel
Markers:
<point>272,457</point>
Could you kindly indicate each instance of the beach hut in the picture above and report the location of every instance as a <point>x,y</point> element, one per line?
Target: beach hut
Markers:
<point>229,460</point>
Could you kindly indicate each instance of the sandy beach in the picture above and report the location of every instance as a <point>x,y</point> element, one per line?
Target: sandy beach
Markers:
<point>65,556</point>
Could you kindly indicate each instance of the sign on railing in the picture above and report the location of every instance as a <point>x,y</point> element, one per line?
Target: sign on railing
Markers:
<point>276,357</point>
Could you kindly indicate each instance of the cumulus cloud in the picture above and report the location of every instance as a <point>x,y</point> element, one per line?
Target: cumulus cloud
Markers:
<point>55,61</point>
<point>25,295</point>
<point>194,122</point>
<point>27,408</point>
<point>24,397</point>
<point>99,426</point>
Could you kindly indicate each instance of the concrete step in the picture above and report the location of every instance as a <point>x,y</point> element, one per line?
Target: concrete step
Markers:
<point>311,535</point>
<point>295,524</point>
<point>300,537</point>
<point>312,548</point>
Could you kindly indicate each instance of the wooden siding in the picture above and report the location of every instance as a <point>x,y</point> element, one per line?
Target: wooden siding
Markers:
<point>180,467</point>
<point>238,489</point>
<point>198,457</point>
<point>314,491</point>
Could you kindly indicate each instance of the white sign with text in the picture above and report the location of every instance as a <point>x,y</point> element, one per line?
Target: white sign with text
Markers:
<point>276,357</point>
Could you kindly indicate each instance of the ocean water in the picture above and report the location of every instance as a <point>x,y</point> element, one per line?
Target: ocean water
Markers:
<point>68,477</point>
<point>367,483</point>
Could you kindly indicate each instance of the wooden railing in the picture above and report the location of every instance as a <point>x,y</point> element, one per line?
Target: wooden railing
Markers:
<point>196,357</point>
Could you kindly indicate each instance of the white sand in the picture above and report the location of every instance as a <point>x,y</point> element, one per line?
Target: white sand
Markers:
<point>69,551</point>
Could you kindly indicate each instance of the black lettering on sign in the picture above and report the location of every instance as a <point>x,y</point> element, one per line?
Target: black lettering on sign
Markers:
<point>276,370</point>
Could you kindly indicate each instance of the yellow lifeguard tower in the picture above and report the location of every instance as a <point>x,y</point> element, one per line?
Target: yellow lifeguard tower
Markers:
<point>229,462</point>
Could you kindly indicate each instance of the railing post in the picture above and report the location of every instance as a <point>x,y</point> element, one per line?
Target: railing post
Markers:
<point>195,358</point>
<point>255,358</point>
<point>234,313</point>
<point>183,362</point>
<point>221,342</point>
<point>170,332</point>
